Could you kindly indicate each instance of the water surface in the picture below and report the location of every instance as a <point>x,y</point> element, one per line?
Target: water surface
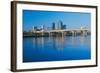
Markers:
<point>56,48</point>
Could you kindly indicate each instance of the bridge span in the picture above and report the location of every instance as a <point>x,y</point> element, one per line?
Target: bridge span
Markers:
<point>64,31</point>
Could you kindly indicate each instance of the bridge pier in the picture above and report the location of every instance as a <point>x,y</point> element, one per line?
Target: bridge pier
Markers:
<point>42,33</point>
<point>50,34</point>
<point>73,33</point>
<point>62,34</point>
<point>83,33</point>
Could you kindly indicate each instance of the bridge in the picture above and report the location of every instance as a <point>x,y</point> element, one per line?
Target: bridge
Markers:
<point>64,31</point>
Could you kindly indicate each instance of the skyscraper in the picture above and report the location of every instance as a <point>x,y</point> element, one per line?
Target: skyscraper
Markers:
<point>60,25</point>
<point>53,26</point>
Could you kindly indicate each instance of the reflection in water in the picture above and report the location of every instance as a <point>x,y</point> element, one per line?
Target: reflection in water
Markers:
<point>82,39</point>
<point>58,42</point>
<point>56,48</point>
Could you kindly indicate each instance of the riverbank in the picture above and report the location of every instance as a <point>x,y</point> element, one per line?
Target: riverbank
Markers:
<point>54,34</point>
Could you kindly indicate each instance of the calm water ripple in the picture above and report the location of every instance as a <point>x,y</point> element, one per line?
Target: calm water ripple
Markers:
<point>56,48</point>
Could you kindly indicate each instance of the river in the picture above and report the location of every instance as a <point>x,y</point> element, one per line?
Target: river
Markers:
<point>40,49</point>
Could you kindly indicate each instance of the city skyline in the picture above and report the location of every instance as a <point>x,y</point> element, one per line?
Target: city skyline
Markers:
<point>47,18</point>
<point>54,26</point>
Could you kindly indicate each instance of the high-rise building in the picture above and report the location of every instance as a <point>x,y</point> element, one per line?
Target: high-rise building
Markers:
<point>64,27</point>
<point>43,27</point>
<point>35,28</point>
<point>53,26</point>
<point>60,25</point>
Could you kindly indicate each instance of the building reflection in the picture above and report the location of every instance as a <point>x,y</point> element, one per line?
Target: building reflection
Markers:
<point>38,42</point>
<point>58,42</point>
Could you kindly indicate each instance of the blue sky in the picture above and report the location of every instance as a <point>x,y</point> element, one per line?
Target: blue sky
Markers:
<point>70,19</point>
